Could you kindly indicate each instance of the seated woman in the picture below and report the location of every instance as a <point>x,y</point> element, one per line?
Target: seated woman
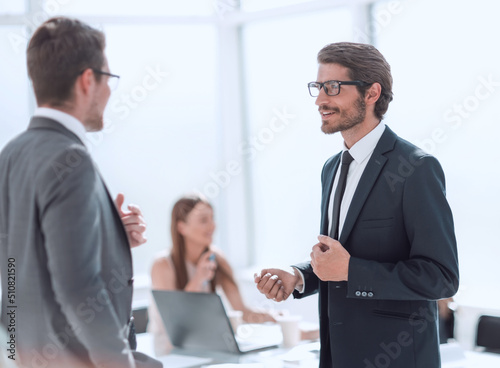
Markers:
<point>195,265</point>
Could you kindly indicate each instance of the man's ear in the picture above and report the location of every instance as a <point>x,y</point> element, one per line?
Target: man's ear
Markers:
<point>373,93</point>
<point>85,82</point>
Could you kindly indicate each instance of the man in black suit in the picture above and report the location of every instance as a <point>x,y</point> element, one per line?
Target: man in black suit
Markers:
<point>387,250</point>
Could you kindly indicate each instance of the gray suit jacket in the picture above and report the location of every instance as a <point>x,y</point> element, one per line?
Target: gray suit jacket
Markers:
<point>68,253</point>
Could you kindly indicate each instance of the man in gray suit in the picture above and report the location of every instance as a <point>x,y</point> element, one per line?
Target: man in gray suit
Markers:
<point>65,259</point>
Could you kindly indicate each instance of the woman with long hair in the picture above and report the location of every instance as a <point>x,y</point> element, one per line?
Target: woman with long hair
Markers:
<point>194,264</point>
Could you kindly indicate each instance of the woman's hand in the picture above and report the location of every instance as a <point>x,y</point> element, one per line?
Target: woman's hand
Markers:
<point>205,269</point>
<point>254,316</point>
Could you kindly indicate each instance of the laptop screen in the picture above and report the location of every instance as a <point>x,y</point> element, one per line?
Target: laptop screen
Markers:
<point>195,320</point>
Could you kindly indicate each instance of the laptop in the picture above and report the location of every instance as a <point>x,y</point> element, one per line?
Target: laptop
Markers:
<point>198,321</point>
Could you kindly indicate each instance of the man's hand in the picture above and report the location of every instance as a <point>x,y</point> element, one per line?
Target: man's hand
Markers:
<point>133,222</point>
<point>276,284</point>
<point>330,260</point>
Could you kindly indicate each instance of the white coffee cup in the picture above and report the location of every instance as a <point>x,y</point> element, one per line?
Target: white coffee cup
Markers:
<point>290,329</point>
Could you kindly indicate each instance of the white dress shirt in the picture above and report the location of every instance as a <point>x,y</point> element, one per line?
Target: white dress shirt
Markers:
<point>361,151</point>
<point>71,123</point>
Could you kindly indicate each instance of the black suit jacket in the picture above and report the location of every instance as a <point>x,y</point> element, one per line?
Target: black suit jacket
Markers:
<point>400,235</point>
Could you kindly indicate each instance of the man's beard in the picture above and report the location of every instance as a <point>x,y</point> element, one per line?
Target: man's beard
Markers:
<point>345,119</point>
<point>94,121</point>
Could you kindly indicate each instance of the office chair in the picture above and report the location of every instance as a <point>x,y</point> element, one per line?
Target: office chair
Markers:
<point>488,333</point>
<point>141,319</point>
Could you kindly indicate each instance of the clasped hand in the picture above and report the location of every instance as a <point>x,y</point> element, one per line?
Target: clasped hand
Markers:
<point>330,260</point>
<point>276,284</point>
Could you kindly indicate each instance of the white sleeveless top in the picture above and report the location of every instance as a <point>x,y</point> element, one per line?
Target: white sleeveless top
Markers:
<point>162,344</point>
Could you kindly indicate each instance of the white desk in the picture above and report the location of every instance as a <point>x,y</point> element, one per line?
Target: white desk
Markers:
<point>453,356</point>
<point>302,356</point>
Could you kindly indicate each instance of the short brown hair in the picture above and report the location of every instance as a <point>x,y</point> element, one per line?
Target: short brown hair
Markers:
<point>365,63</point>
<point>60,49</point>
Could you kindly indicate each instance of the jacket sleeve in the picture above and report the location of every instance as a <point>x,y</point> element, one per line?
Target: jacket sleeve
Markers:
<point>311,281</point>
<point>431,270</point>
<point>70,219</point>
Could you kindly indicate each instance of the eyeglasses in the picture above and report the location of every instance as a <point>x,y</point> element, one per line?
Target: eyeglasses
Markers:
<point>332,87</point>
<point>113,79</point>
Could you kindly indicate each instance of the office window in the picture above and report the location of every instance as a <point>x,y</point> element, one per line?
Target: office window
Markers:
<point>166,110</point>
<point>256,5</point>
<point>14,95</point>
<point>285,146</point>
<point>145,8</point>
<point>161,132</point>
<point>12,7</point>
<point>446,86</point>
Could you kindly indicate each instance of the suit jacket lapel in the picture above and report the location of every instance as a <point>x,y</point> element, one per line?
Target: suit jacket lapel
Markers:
<point>368,179</point>
<point>114,210</point>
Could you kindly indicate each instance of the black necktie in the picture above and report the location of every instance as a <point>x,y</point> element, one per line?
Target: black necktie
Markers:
<point>339,193</point>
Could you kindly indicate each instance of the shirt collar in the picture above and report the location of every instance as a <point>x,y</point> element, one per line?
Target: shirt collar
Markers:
<point>68,121</point>
<point>365,146</point>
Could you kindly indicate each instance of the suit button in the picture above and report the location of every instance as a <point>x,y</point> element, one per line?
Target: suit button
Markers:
<point>370,295</point>
<point>130,282</point>
<point>364,294</point>
<point>358,293</point>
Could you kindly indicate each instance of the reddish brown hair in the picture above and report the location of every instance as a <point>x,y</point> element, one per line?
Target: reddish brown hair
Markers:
<point>365,63</point>
<point>180,211</point>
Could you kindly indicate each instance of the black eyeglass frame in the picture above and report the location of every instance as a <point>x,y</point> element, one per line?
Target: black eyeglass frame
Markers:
<point>101,72</point>
<point>112,85</point>
<point>321,85</point>
<point>104,73</point>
